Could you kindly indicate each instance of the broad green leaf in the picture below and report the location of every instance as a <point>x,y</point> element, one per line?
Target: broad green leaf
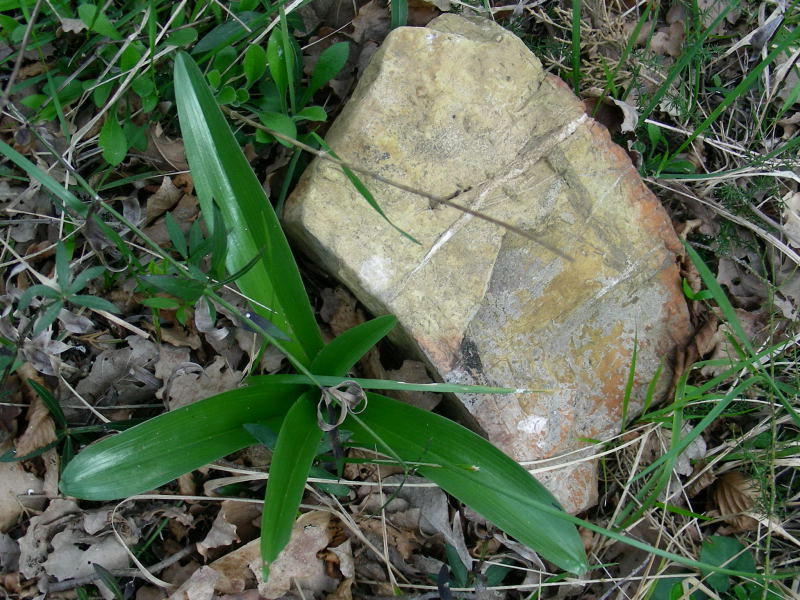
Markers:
<point>330,62</point>
<point>222,175</point>
<point>399,13</point>
<point>36,290</point>
<point>728,552</point>
<point>180,287</point>
<point>47,317</point>
<point>295,450</point>
<point>344,351</point>
<point>475,472</point>
<point>182,37</point>
<point>228,33</point>
<point>255,63</point>
<point>143,86</point>
<point>165,447</point>
<point>62,266</point>
<point>277,65</point>
<point>94,302</point>
<point>227,95</point>
<point>280,123</point>
<point>96,20</point>
<point>176,235</point>
<point>112,140</point>
<point>159,302</point>
<point>84,277</point>
<point>300,435</point>
<point>311,113</point>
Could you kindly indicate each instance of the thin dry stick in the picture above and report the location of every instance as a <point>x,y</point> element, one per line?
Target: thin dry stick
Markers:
<point>434,199</point>
<point>18,63</point>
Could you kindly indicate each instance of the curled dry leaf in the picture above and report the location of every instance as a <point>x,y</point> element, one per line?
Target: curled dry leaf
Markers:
<point>41,429</point>
<point>122,374</point>
<point>371,23</point>
<point>735,494</point>
<point>298,563</point>
<point>234,523</point>
<point>669,40</point>
<point>165,197</point>
<point>791,214</point>
<point>171,151</point>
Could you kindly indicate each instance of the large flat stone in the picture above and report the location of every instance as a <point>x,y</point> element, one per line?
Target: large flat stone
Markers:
<point>463,105</point>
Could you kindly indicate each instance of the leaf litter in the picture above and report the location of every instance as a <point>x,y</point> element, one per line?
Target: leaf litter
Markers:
<point>409,531</point>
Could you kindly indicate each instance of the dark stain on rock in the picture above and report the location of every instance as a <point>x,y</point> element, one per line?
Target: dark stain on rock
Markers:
<point>470,357</point>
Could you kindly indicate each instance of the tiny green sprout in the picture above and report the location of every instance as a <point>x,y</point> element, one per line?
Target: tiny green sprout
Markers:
<point>65,290</point>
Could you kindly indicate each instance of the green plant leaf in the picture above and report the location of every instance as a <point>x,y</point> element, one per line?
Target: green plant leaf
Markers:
<point>330,62</point>
<point>277,65</point>
<point>223,175</point>
<point>227,95</point>
<point>345,350</point>
<point>311,113</point>
<point>112,140</point>
<point>47,317</point>
<point>62,266</point>
<point>165,447</point>
<point>176,235</point>
<point>180,287</point>
<point>255,64</point>
<point>475,472</point>
<point>399,13</point>
<point>36,290</point>
<point>182,37</point>
<point>97,21</point>
<point>159,302</point>
<point>95,303</point>
<point>295,450</point>
<point>722,551</point>
<point>280,123</point>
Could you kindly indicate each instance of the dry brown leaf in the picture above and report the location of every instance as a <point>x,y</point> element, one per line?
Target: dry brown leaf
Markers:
<point>41,429</point>
<point>196,384</point>
<point>200,586</point>
<point>16,485</point>
<point>171,151</point>
<point>701,482</point>
<point>371,23</point>
<point>791,216</point>
<point>162,200</point>
<point>122,373</point>
<point>298,563</point>
<point>233,523</point>
<point>790,125</point>
<point>185,212</point>
<point>735,494</point>
<point>669,40</point>
<point>233,568</point>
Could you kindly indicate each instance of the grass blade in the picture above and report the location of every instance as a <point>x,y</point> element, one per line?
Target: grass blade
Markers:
<point>222,174</point>
<point>165,447</point>
<point>382,384</point>
<point>476,473</point>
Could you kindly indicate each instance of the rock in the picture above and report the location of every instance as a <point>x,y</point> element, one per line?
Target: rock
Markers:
<point>463,106</point>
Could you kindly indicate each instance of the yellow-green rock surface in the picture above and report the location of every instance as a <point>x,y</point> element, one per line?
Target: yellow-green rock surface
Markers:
<point>463,105</point>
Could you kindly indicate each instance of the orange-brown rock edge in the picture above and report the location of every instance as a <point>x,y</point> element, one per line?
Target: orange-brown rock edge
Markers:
<point>463,105</point>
